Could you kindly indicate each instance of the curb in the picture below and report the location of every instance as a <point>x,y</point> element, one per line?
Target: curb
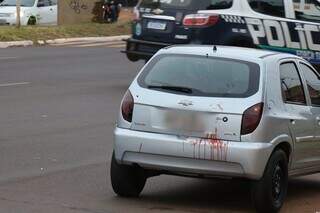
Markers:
<point>63,41</point>
<point>15,44</point>
<point>88,39</point>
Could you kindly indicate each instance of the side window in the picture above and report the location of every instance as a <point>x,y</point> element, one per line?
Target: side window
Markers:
<point>313,84</point>
<point>53,2</point>
<point>43,3</point>
<point>307,10</point>
<point>268,7</point>
<point>292,89</point>
<point>216,4</point>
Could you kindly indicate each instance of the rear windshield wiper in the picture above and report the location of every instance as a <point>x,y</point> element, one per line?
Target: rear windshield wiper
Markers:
<point>172,88</point>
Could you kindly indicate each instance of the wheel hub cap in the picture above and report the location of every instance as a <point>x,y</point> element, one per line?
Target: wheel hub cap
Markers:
<point>277,179</point>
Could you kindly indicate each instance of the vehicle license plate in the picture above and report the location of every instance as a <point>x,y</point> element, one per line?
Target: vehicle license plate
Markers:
<point>181,120</point>
<point>156,25</point>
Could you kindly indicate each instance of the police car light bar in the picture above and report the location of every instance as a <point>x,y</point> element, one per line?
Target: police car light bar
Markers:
<point>200,20</point>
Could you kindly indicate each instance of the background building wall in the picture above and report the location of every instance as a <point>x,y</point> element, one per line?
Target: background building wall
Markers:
<point>84,11</point>
<point>78,11</point>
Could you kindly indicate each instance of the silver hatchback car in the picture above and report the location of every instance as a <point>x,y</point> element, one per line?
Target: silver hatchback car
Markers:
<point>228,112</point>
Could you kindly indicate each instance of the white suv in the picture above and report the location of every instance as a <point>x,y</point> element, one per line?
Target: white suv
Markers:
<point>32,12</point>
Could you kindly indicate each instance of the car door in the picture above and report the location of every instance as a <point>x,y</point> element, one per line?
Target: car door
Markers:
<point>301,123</point>
<point>311,78</point>
<point>44,12</point>
<point>53,12</point>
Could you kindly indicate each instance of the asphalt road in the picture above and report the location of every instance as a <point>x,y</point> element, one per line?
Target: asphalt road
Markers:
<point>57,112</point>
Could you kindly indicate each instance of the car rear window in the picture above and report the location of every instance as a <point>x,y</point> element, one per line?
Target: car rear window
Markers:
<point>205,76</point>
<point>188,4</point>
<point>269,7</point>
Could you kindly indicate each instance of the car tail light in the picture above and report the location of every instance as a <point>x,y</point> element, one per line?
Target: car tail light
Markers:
<point>251,119</point>
<point>127,106</point>
<point>200,20</point>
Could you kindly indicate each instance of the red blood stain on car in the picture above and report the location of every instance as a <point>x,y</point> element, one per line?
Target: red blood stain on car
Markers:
<point>218,147</point>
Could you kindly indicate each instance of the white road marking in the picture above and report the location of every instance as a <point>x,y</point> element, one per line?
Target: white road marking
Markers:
<point>7,57</point>
<point>14,84</point>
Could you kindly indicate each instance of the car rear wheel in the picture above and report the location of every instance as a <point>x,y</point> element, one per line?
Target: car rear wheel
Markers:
<point>269,192</point>
<point>127,181</point>
<point>132,57</point>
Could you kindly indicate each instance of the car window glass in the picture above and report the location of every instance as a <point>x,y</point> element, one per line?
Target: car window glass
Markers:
<point>44,3</point>
<point>292,90</point>
<point>215,4</point>
<point>165,3</point>
<point>53,2</point>
<point>188,4</point>
<point>313,84</point>
<point>211,77</point>
<point>268,7</point>
<point>307,10</point>
<point>24,3</point>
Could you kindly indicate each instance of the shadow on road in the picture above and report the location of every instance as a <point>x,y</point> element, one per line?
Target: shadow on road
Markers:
<point>200,196</point>
<point>225,196</point>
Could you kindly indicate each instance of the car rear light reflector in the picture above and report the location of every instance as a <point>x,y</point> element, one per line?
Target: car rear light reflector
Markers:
<point>251,119</point>
<point>127,107</point>
<point>200,20</point>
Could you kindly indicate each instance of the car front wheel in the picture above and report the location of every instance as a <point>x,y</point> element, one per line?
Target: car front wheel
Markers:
<point>32,21</point>
<point>269,192</point>
<point>127,181</point>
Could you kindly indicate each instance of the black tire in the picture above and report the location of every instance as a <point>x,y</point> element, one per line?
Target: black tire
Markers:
<point>127,181</point>
<point>32,21</point>
<point>132,57</point>
<point>269,192</point>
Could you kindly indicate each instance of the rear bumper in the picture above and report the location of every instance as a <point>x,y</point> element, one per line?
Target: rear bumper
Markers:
<point>191,156</point>
<point>141,49</point>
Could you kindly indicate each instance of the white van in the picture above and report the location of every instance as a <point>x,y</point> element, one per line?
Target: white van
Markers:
<point>32,12</point>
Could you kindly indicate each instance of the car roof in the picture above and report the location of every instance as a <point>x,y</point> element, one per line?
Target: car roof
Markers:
<point>240,53</point>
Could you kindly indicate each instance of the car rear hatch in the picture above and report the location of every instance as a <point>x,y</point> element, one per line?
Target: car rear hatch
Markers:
<point>216,118</point>
<point>208,99</point>
<point>162,21</point>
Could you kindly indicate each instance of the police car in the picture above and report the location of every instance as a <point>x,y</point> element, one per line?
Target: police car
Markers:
<point>291,26</point>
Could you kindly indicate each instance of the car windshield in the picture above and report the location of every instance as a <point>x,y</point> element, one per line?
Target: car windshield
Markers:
<point>24,3</point>
<point>201,76</point>
<point>187,4</point>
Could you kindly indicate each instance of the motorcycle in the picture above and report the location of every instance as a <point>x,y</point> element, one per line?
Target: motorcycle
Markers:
<point>111,11</point>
